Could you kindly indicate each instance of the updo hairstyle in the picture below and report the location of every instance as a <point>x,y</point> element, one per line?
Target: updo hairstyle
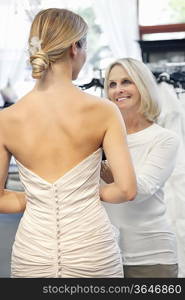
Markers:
<point>52,32</point>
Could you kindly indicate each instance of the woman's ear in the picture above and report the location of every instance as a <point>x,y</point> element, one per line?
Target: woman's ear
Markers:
<point>73,50</point>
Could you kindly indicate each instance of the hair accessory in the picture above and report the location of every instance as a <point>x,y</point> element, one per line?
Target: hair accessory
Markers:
<point>35,45</point>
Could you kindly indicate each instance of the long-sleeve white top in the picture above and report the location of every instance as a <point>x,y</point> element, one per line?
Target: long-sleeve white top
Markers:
<point>146,236</point>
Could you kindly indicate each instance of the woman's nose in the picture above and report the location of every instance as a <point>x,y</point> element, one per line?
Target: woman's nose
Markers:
<point>120,89</point>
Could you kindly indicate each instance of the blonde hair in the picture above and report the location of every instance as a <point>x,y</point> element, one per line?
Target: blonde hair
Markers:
<point>145,83</point>
<point>56,29</point>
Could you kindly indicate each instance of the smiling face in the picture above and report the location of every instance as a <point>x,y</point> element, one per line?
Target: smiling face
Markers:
<point>122,90</point>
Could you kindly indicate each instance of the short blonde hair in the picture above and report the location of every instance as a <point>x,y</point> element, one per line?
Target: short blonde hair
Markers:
<point>145,83</point>
<point>56,29</point>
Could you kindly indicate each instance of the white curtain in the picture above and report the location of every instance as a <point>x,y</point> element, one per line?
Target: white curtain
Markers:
<point>14,33</point>
<point>120,25</point>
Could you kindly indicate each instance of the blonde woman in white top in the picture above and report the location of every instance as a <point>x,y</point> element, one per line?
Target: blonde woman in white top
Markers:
<point>147,241</point>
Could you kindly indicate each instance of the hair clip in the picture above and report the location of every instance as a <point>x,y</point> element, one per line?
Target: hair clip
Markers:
<point>35,45</point>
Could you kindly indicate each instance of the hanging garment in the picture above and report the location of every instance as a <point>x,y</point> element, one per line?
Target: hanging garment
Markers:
<point>173,117</point>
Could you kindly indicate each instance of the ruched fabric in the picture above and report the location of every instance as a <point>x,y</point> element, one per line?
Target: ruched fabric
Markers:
<point>65,230</point>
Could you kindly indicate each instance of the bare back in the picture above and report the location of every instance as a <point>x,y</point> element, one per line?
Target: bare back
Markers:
<point>50,134</point>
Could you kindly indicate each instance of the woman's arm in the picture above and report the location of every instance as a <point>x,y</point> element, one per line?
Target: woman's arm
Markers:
<point>118,156</point>
<point>155,171</point>
<point>158,167</point>
<point>10,201</point>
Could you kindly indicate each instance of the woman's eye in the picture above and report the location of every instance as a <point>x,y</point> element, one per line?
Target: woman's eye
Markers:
<point>112,84</point>
<point>126,81</point>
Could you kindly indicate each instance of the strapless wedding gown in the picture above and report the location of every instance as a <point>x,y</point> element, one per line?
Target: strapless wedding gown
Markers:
<point>65,230</point>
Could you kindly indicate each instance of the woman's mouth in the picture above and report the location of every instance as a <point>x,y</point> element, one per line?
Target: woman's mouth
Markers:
<point>120,99</point>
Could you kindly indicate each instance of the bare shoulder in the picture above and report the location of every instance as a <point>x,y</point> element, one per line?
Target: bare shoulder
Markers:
<point>7,114</point>
<point>10,114</point>
<point>104,105</point>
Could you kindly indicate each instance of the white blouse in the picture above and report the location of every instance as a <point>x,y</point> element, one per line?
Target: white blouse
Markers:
<point>146,236</point>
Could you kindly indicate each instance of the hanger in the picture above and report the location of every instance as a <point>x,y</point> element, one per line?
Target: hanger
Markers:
<point>94,82</point>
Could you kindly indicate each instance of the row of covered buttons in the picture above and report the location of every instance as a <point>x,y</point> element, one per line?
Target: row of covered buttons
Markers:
<point>58,229</point>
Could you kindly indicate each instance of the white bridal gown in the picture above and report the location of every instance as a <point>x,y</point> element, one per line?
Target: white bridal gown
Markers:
<point>65,230</point>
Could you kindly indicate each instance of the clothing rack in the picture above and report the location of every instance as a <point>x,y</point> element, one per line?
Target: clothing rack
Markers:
<point>95,82</point>
<point>172,73</point>
<point>176,79</point>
